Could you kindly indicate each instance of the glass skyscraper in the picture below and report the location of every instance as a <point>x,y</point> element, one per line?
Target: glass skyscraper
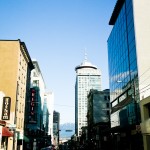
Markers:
<point>87,77</point>
<point>123,70</point>
<point>129,69</point>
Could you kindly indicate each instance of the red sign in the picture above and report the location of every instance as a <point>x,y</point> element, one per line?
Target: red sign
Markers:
<point>32,117</point>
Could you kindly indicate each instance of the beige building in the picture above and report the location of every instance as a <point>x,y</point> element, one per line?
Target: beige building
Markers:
<point>15,68</point>
<point>142,28</point>
<point>145,122</point>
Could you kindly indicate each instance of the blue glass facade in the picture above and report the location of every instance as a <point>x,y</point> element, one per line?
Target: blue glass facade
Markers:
<point>124,75</point>
<point>123,62</point>
<point>121,49</point>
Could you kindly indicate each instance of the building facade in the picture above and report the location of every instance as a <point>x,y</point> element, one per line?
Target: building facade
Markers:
<point>15,67</point>
<point>56,128</point>
<point>5,133</point>
<point>88,77</point>
<point>34,128</point>
<point>49,97</point>
<point>45,117</point>
<point>98,117</point>
<point>128,56</point>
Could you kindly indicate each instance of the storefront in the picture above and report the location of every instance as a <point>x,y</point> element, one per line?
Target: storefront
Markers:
<point>4,135</point>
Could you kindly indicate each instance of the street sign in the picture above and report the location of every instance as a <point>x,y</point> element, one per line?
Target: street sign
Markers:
<point>68,130</point>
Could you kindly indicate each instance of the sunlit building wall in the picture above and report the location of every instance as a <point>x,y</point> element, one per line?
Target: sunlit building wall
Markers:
<point>88,77</point>
<point>49,96</point>
<point>15,68</point>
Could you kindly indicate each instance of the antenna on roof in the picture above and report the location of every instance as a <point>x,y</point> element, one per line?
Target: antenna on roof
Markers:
<point>85,55</point>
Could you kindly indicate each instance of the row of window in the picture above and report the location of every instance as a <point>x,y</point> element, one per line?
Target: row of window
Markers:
<point>22,62</point>
<point>122,38</point>
<point>19,123</point>
<point>19,107</point>
<point>21,91</point>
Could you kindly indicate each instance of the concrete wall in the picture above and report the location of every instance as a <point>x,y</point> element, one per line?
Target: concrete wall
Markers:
<point>141,14</point>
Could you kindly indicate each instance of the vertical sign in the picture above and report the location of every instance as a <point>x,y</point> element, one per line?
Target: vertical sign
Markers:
<point>32,106</point>
<point>6,108</point>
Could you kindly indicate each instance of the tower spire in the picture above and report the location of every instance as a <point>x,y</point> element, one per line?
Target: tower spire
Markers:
<point>85,55</point>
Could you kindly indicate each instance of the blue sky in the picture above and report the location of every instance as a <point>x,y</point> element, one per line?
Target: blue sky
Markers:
<point>56,33</point>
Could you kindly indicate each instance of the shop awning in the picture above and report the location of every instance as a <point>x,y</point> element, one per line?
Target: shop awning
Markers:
<point>6,132</point>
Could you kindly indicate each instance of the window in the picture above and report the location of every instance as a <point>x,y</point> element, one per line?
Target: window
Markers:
<point>114,103</point>
<point>20,108</point>
<point>18,89</point>
<point>148,107</point>
<point>19,123</point>
<point>17,104</point>
<point>21,93</point>
<point>36,83</point>
<point>107,105</point>
<point>34,74</point>
<point>108,113</point>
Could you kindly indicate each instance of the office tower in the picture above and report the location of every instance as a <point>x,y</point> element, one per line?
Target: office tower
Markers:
<point>15,69</point>
<point>88,77</point>
<point>128,50</point>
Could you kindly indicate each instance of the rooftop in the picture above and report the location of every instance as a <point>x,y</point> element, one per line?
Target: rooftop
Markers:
<point>85,64</point>
<point>116,11</point>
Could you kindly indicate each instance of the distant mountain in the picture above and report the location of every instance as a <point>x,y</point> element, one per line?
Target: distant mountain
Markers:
<point>67,130</point>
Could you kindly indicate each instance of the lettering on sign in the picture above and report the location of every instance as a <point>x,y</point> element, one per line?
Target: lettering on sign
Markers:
<point>6,108</point>
<point>32,116</point>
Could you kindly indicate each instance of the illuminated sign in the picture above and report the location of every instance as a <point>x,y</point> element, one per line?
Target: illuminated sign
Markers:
<point>6,108</point>
<point>32,117</point>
